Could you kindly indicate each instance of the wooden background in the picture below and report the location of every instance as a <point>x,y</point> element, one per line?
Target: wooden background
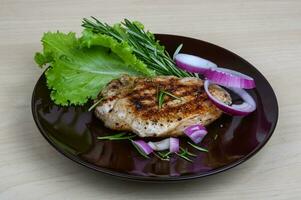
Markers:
<point>266,33</point>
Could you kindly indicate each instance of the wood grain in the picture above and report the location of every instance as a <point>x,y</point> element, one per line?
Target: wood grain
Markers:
<point>266,33</point>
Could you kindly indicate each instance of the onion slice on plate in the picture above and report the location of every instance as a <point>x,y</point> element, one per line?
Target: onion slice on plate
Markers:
<point>172,144</point>
<point>143,146</point>
<point>160,145</point>
<point>196,133</point>
<point>229,78</point>
<point>193,63</point>
<point>243,109</point>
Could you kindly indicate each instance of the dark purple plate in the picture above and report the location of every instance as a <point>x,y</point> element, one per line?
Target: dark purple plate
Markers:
<point>73,130</point>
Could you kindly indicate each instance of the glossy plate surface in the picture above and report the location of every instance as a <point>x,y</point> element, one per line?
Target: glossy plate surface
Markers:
<point>73,130</point>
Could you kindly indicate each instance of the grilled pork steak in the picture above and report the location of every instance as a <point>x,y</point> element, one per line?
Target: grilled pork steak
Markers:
<point>131,104</point>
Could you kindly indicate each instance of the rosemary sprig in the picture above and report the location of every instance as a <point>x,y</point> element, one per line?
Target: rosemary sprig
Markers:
<point>160,97</point>
<point>169,94</point>
<point>138,149</point>
<point>119,136</point>
<point>145,46</point>
<point>187,152</point>
<point>177,51</point>
<point>124,138</point>
<point>161,156</point>
<point>165,154</point>
<point>95,104</point>
<point>185,157</point>
<point>198,147</point>
<point>184,153</point>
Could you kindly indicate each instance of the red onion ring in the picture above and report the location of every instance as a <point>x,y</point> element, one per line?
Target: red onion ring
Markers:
<point>172,144</point>
<point>229,78</point>
<point>160,145</point>
<point>143,146</point>
<point>243,109</point>
<point>196,133</point>
<point>193,63</point>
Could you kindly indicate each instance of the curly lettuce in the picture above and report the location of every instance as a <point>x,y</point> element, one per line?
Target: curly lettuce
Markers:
<point>78,70</point>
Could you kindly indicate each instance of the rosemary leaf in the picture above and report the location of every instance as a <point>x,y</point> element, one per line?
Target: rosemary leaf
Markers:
<point>169,94</point>
<point>161,99</point>
<point>198,147</point>
<point>111,136</point>
<point>124,138</point>
<point>177,50</point>
<point>95,104</point>
<point>139,150</point>
<point>160,156</point>
<point>119,136</point>
<point>189,153</point>
<point>184,153</point>
<point>184,157</point>
<point>164,154</point>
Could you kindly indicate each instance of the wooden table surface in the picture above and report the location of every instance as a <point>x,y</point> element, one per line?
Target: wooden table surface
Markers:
<point>266,33</point>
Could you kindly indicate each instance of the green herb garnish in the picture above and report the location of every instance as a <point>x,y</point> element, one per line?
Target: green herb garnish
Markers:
<point>198,147</point>
<point>95,104</point>
<point>169,94</point>
<point>144,45</point>
<point>187,152</point>
<point>139,150</point>
<point>184,157</point>
<point>177,50</point>
<point>160,97</point>
<point>163,155</point>
<point>119,136</point>
<point>184,153</point>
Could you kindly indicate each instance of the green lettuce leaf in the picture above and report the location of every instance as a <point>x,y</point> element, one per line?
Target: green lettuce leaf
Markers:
<point>77,73</point>
<point>123,50</point>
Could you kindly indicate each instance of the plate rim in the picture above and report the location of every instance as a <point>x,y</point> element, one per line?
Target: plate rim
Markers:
<point>163,178</point>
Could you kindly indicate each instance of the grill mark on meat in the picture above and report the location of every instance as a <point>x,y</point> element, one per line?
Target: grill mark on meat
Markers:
<point>151,111</point>
<point>138,105</point>
<point>174,86</point>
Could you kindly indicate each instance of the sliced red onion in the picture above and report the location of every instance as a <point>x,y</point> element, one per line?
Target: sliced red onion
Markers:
<point>243,109</point>
<point>174,145</point>
<point>196,127</point>
<point>193,63</point>
<point>230,78</point>
<point>196,133</point>
<point>160,145</point>
<point>143,146</point>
